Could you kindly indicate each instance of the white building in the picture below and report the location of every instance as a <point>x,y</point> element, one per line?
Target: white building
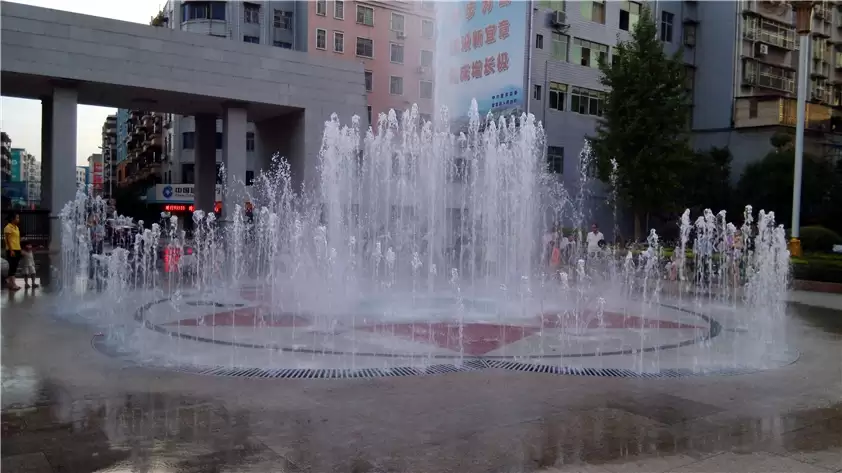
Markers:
<point>81,177</point>
<point>31,174</point>
<point>279,23</point>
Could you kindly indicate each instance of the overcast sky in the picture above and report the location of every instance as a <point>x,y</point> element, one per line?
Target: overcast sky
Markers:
<point>21,119</point>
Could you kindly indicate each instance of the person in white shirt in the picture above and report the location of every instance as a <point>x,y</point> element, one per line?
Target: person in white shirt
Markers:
<point>594,237</point>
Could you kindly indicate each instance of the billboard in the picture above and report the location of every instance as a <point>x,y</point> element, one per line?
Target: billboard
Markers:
<point>177,193</point>
<point>484,44</point>
<point>96,178</point>
<point>17,165</point>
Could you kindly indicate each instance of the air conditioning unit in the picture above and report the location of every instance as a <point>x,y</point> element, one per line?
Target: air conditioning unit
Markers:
<point>423,69</point>
<point>763,49</point>
<point>400,35</point>
<point>559,18</point>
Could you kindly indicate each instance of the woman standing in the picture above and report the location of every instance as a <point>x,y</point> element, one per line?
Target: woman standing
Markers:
<point>11,237</point>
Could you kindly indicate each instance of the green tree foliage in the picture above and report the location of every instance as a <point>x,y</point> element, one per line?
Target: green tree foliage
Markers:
<point>644,122</point>
<point>706,181</point>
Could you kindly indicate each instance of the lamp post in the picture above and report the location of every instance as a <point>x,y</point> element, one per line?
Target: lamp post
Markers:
<point>803,26</point>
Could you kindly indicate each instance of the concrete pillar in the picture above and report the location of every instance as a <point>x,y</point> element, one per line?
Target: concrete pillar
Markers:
<point>46,151</point>
<point>234,120</point>
<point>204,190</point>
<point>62,168</point>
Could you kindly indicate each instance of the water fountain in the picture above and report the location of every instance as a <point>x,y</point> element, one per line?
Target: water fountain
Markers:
<point>421,249</point>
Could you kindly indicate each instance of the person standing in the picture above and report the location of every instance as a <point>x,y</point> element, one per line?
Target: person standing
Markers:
<point>27,266</point>
<point>594,237</point>
<point>11,237</point>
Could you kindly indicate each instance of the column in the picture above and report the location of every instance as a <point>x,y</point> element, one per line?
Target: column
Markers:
<point>61,186</point>
<point>46,151</point>
<point>204,190</point>
<point>234,121</point>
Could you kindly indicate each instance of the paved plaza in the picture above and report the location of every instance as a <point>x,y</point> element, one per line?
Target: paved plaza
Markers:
<point>68,407</point>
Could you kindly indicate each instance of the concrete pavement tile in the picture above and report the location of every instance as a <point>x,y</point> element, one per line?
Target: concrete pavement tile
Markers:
<point>750,463</point>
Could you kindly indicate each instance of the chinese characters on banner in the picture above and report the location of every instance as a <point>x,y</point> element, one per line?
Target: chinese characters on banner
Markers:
<point>486,60</point>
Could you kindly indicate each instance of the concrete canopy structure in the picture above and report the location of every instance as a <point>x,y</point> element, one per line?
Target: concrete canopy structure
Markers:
<point>65,59</point>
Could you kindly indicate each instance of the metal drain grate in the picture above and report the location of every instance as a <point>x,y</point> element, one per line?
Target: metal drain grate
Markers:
<point>612,372</point>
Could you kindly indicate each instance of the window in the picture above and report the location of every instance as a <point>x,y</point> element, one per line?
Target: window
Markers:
<point>251,13</point>
<point>539,41</point>
<point>188,173</point>
<point>188,140</point>
<point>203,11</point>
<point>629,15</point>
<point>338,42</point>
<point>365,15</point>
<point>690,35</point>
<point>667,19</point>
<point>250,141</point>
<point>555,159</point>
<point>615,58</point>
<point>586,101</point>
<point>368,113</point>
<point>560,42</point>
<point>321,39</point>
<point>249,178</point>
<point>752,107</point>
<point>594,10</point>
<point>321,7</point>
<point>252,39</point>
<point>396,53</point>
<point>365,47</point>
<point>396,85</point>
<point>588,53</point>
<point>689,78</point>
<point>282,19</point>
<point>282,44</point>
<point>339,9</point>
<point>536,92</point>
<point>428,29</point>
<point>426,89</point>
<point>426,58</point>
<point>552,4</point>
<point>397,22</point>
<point>427,5</point>
<point>558,96</point>
<point>369,81</point>
<point>218,140</point>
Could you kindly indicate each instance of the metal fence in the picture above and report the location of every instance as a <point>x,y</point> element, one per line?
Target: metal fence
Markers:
<point>34,225</point>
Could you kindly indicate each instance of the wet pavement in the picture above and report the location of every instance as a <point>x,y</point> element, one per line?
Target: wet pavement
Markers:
<point>67,408</point>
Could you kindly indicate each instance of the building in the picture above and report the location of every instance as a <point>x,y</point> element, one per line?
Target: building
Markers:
<point>25,179</point>
<point>82,177</point>
<point>6,152</point>
<point>96,165</point>
<point>744,97</point>
<point>109,154</point>
<point>396,41</point>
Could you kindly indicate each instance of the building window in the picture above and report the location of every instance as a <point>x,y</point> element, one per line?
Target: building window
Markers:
<point>252,39</point>
<point>555,159</point>
<point>368,113</point>
<point>338,42</point>
<point>396,53</point>
<point>427,5</point>
<point>396,85</point>
<point>690,35</point>
<point>537,94</point>
<point>667,20</point>
<point>188,173</point>
<point>586,101</point>
<point>282,19</point>
<point>250,141</point>
<point>587,53</point>
<point>321,39</point>
<point>539,41</point>
<point>339,9</point>
<point>397,22</point>
<point>369,81</point>
<point>365,47</point>
<point>188,140</point>
<point>426,89</point>
<point>218,140</point>
<point>321,7</point>
<point>560,42</point>
<point>251,13</point>
<point>558,96</point>
<point>689,79</point>
<point>365,15</point>
<point>752,107</point>
<point>557,5</point>
<point>249,178</point>
<point>282,44</point>
<point>629,15</point>
<point>428,29</point>
<point>203,11</point>
<point>594,10</point>
<point>426,58</point>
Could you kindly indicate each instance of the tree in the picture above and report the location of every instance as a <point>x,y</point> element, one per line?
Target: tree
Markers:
<point>706,181</point>
<point>644,122</point>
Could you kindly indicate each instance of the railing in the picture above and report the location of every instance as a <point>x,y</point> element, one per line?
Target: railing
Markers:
<point>34,225</point>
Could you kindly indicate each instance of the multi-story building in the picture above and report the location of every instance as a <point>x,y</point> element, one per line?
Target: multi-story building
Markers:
<point>142,135</point>
<point>395,40</point>
<point>96,165</point>
<point>6,152</point>
<point>109,154</point>
<point>278,23</point>
<point>30,173</point>
<point>746,95</point>
<point>82,177</point>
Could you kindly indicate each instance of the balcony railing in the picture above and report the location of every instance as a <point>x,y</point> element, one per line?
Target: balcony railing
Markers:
<point>768,81</point>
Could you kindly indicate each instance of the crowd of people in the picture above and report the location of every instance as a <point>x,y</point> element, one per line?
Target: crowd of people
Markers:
<point>562,249</point>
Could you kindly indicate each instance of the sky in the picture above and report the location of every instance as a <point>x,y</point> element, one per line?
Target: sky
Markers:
<point>21,118</point>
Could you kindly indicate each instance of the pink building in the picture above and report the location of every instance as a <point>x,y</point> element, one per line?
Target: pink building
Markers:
<point>394,39</point>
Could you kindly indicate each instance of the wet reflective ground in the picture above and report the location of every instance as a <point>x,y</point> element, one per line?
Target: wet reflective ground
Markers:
<point>67,408</point>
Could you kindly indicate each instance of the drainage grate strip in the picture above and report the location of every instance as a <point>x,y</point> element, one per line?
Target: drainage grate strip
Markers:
<point>612,372</point>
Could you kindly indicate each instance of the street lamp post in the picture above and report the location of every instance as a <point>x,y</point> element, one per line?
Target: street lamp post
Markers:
<point>803,25</point>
